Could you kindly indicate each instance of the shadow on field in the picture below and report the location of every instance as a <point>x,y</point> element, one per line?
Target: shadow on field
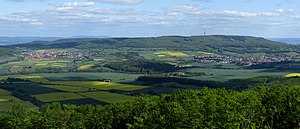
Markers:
<point>33,89</point>
<point>71,78</point>
<point>81,102</point>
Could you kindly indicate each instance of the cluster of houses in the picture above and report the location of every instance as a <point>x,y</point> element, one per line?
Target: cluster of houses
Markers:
<point>243,60</point>
<point>61,55</point>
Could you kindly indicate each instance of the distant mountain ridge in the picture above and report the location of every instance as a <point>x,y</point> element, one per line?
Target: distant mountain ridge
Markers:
<point>213,43</point>
<point>287,40</point>
<point>17,40</point>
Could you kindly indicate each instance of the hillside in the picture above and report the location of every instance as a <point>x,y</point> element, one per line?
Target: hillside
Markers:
<point>5,52</point>
<point>215,43</point>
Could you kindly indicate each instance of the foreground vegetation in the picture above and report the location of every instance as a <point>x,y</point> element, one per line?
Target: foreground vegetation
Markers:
<point>264,107</point>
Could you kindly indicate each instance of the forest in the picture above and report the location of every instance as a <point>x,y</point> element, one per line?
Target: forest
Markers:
<point>264,107</point>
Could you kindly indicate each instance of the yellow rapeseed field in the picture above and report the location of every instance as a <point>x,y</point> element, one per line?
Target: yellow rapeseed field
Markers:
<point>175,54</point>
<point>293,75</point>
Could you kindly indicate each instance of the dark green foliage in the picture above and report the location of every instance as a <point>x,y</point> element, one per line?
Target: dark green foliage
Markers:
<point>265,107</point>
<point>141,66</point>
<point>284,66</point>
<point>6,52</point>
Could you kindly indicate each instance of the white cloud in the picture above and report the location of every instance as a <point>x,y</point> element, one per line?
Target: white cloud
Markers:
<point>110,11</point>
<point>119,1</point>
<point>185,9</point>
<point>77,4</point>
<point>248,14</point>
<point>20,20</point>
<point>26,0</point>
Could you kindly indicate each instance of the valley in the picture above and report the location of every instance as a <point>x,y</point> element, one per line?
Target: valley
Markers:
<point>99,72</point>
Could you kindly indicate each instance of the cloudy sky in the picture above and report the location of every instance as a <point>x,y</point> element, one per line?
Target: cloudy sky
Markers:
<point>119,18</point>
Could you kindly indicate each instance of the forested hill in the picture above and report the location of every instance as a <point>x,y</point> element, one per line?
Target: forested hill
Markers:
<point>5,52</point>
<point>214,43</point>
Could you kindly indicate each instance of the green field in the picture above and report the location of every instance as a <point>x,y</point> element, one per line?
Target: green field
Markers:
<point>58,96</point>
<point>228,74</point>
<point>6,103</point>
<point>100,85</point>
<point>4,92</point>
<point>107,97</point>
<point>67,88</point>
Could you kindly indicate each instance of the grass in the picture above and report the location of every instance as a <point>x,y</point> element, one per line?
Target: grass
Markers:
<point>100,85</point>
<point>84,67</point>
<point>58,96</point>
<point>108,97</point>
<point>293,75</point>
<point>175,54</point>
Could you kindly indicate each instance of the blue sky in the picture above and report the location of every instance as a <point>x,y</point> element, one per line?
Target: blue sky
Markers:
<point>135,18</point>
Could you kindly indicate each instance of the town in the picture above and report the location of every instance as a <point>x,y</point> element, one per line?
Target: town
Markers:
<point>62,55</point>
<point>245,60</point>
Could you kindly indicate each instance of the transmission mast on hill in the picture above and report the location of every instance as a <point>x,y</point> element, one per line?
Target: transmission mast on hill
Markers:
<point>204,32</point>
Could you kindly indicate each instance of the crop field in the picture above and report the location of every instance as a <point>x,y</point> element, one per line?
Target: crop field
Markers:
<point>59,65</point>
<point>228,74</point>
<point>67,88</point>
<point>107,97</point>
<point>84,67</point>
<point>34,78</point>
<point>41,64</point>
<point>6,103</point>
<point>57,96</point>
<point>79,76</point>
<point>174,54</point>
<point>292,75</point>
<point>205,53</point>
<point>100,85</point>
<point>4,92</point>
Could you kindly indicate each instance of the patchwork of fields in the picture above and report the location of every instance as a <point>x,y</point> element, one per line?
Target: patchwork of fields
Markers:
<point>72,92</point>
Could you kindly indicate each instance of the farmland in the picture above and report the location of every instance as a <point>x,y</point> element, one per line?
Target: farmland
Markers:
<point>86,75</point>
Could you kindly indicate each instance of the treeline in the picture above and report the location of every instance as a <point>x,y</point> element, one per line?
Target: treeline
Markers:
<point>236,84</point>
<point>273,107</point>
<point>141,66</point>
<point>284,65</point>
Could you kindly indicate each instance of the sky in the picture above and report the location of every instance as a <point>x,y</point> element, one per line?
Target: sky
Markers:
<point>145,18</point>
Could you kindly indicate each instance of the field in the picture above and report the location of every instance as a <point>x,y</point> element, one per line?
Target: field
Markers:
<point>58,96</point>
<point>7,101</point>
<point>174,54</point>
<point>68,89</point>
<point>293,75</point>
<point>107,97</point>
<point>84,67</point>
<point>100,85</point>
<point>229,74</point>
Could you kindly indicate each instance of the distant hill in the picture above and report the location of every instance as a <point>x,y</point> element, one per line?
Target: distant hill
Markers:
<point>18,40</point>
<point>214,43</point>
<point>287,40</point>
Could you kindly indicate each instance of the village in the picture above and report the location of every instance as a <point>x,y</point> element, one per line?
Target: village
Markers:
<point>62,55</point>
<point>246,60</point>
